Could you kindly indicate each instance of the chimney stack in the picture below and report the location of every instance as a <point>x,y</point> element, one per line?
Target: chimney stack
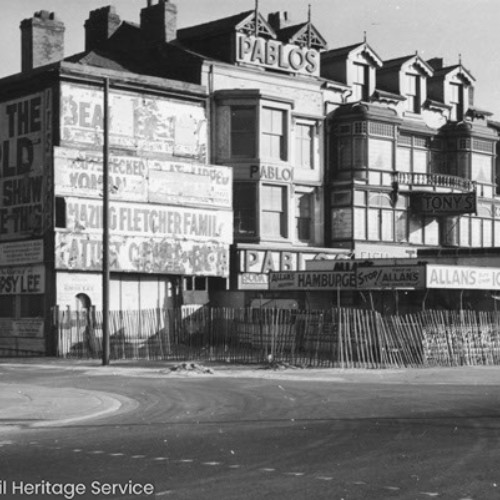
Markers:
<point>100,25</point>
<point>159,21</point>
<point>435,63</point>
<point>42,40</point>
<point>278,20</point>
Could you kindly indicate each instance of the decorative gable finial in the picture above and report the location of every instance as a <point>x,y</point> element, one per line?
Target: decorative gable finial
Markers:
<point>309,33</point>
<point>460,59</point>
<point>256,20</point>
<point>364,37</point>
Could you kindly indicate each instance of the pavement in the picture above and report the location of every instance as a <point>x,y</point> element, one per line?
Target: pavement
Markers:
<point>24,405</point>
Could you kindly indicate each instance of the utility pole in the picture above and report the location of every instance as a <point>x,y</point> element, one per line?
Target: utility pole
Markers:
<point>105,228</point>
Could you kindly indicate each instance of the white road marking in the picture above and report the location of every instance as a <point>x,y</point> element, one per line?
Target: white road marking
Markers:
<point>324,478</point>
<point>96,452</point>
<point>116,454</point>
<point>429,493</point>
<point>160,458</point>
<point>293,473</point>
<point>267,469</point>
<point>211,463</point>
<point>138,456</point>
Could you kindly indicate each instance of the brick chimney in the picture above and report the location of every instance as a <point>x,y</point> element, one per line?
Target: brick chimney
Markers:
<point>100,25</point>
<point>278,20</point>
<point>159,21</point>
<point>42,40</point>
<point>435,63</point>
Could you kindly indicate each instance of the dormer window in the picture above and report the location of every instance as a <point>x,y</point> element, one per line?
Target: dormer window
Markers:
<point>360,84</point>
<point>413,96</point>
<point>457,101</point>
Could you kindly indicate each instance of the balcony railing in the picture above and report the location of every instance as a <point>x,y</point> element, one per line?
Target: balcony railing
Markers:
<point>434,180</point>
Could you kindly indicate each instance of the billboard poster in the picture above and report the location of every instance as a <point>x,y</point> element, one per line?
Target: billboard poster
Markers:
<point>141,254</point>
<point>22,280</point>
<point>463,277</point>
<point>21,252</point>
<point>24,131</point>
<point>141,123</point>
<point>313,280</point>
<point>80,173</point>
<point>180,183</point>
<point>390,277</point>
<point>134,219</point>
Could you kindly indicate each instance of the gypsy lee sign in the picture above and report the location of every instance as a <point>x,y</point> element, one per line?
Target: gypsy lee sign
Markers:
<point>276,55</point>
<point>22,279</point>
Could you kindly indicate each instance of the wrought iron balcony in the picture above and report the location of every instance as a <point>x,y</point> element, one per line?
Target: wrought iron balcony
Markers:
<point>433,180</point>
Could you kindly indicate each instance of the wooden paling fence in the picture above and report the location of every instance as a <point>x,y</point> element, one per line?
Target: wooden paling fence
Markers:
<point>344,337</point>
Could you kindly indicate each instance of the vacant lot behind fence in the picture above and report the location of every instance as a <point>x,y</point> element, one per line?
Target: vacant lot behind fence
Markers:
<point>342,337</point>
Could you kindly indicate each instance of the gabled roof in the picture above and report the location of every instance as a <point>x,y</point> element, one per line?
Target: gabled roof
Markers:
<point>449,69</point>
<point>302,34</point>
<point>392,64</point>
<point>343,52</point>
<point>244,21</point>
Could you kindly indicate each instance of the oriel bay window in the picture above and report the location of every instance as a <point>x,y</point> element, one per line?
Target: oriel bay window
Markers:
<point>303,216</point>
<point>273,135</point>
<point>376,219</point>
<point>244,206</point>
<point>243,131</point>
<point>304,145</point>
<point>274,216</point>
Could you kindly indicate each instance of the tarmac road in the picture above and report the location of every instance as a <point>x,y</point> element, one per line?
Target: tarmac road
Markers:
<point>249,434</point>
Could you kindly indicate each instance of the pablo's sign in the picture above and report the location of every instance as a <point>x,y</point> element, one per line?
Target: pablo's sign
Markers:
<point>443,203</point>
<point>276,55</point>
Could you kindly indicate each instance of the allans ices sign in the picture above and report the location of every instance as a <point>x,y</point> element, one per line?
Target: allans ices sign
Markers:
<point>275,55</point>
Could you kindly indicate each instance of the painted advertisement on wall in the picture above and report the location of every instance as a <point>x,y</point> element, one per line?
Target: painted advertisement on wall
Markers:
<point>141,123</point>
<point>25,139</point>
<point>22,280</point>
<point>147,220</point>
<point>463,277</point>
<point>178,183</point>
<point>131,178</point>
<point>254,265</point>
<point>142,255</point>
<point>21,252</point>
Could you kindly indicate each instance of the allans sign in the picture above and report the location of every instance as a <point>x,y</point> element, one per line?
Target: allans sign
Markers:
<point>276,55</point>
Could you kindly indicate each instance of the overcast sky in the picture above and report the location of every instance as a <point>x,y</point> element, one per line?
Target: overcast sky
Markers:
<point>436,28</point>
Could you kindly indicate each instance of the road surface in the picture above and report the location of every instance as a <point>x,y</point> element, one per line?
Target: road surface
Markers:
<point>226,437</point>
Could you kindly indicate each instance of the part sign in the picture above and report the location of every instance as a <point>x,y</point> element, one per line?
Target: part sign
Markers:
<point>22,280</point>
<point>463,277</point>
<point>390,277</point>
<point>312,280</point>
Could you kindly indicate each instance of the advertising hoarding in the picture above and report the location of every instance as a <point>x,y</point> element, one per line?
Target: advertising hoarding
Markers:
<point>25,129</point>
<point>22,280</point>
<point>463,277</point>
<point>21,252</point>
<point>142,255</point>
<point>390,277</point>
<point>135,219</point>
<point>141,123</point>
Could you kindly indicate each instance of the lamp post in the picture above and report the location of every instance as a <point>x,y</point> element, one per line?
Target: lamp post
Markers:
<point>105,228</point>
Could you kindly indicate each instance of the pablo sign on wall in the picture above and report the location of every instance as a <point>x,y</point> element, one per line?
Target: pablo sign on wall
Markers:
<point>276,55</point>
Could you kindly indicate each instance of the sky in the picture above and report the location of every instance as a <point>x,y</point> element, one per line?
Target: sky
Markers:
<point>394,28</point>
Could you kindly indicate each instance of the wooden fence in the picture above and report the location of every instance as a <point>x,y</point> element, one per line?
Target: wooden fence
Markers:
<point>332,338</point>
